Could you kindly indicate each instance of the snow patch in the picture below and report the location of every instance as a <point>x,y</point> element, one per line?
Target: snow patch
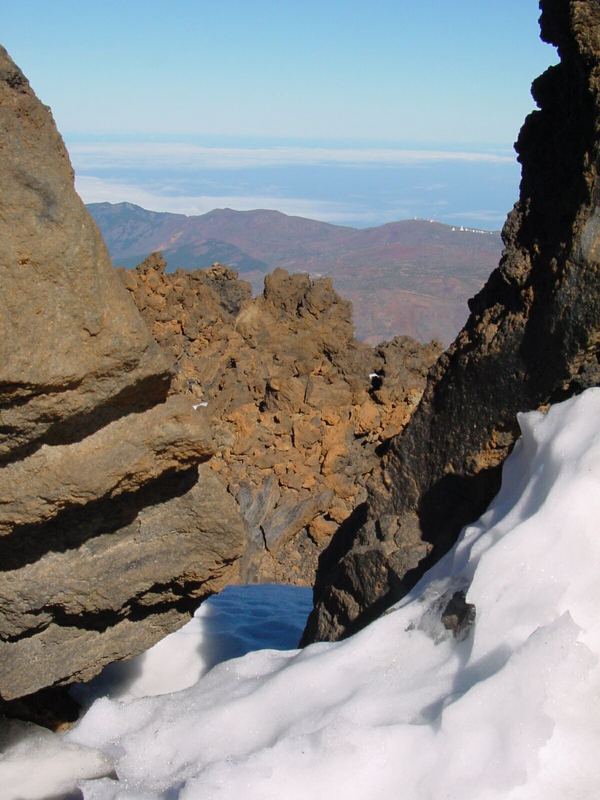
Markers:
<point>405,708</point>
<point>35,762</point>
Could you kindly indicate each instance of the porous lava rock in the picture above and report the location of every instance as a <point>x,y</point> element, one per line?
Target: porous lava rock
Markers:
<point>532,338</point>
<point>300,404</point>
<point>108,539</point>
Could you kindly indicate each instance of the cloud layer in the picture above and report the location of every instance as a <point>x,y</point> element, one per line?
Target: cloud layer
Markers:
<point>359,186</point>
<point>98,190</point>
<point>135,154</point>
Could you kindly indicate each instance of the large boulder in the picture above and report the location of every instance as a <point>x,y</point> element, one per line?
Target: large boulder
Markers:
<point>73,351</point>
<point>108,540</point>
<point>533,337</point>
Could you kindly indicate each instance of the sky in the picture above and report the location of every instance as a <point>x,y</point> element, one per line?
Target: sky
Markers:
<point>352,112</point>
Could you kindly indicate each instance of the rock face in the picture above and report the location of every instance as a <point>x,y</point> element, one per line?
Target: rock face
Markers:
<point>290,390</point>
<point>107,538</point>
<point>533,337</point>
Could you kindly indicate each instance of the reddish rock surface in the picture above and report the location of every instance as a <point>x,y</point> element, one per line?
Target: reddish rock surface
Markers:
<point>289,388</point>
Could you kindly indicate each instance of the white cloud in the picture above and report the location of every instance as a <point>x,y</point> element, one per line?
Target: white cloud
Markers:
<point>90,155</point>
<point>97,190</point>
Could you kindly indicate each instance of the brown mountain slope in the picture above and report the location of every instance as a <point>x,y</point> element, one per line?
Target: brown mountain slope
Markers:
<point>412,277</point>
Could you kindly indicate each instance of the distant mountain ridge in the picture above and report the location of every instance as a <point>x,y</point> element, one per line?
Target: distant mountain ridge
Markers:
<point>410,277</point>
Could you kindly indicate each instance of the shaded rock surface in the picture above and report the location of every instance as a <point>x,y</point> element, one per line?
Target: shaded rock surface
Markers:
<point>533,337</point>
<point>300,409</point>
<point>107,537</point>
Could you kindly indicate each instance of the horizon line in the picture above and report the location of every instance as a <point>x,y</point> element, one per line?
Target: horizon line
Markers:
<point>460,228</point>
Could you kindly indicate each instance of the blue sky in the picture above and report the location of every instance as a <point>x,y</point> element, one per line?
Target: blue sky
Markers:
<point>181,102</point>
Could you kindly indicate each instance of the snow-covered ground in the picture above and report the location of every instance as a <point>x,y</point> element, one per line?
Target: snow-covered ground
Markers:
<point>237,621</point>
<point>404,710</point>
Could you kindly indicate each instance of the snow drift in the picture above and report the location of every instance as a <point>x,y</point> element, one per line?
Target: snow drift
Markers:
<point>404,709</point>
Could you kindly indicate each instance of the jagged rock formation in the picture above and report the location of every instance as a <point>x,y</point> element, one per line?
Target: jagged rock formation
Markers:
<point>533,337</point>
<point>289,387</point>
<point>107,538</point>
<point>411,277</point>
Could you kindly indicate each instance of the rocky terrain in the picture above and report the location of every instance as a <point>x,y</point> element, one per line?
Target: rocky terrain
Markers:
<point>532,338</point>
<point>301,406</point>
<point>147,459</point>
<point>161,438</point>
<point>412,277</point>
<point>112,527</point>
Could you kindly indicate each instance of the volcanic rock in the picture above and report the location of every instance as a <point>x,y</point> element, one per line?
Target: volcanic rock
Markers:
<point>289,389</point>
<point>107,537</point>
<point>533,338</point>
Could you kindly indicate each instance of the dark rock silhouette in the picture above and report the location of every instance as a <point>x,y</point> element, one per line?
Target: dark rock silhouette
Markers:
<point>533,338</point>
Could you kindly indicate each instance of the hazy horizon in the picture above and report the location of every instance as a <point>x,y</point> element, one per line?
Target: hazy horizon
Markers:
<point>361,187</point>
<point>339,112</point>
